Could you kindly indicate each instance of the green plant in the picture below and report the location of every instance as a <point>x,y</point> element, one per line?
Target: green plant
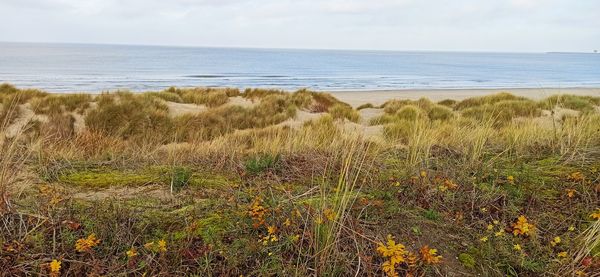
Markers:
<point>260,163</point>
<point>466,260</point>
<point>180,178</point>
<point>431,214</point>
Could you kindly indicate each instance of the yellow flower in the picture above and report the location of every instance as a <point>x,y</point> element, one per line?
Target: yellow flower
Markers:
<point>391,249</point>
<point>287,222</point>
<point>562,254</point>
<point>158,246</point>
<point>555,241</point>
<point>522,227</point>
<point>483,210</point>
<point>447,185</point>
<point>517,247</point>
<point>86,245</point>
<point>499,233</point>
<point>389,269</point>
<point>131,253</point>
<point>272,229</point>
<point>329,214</point>
<point>484,239</point>
<point>490,227</point>
<point>570,193</point>
<point>423,173</point>
<point>55,268</point>
<point>162,245</point>
<point>510,179</point>
<point>394,252</point>
<point>496,222</point>
<point>576,176</point>
<point>429,255</point>
<point>596,214</point>
<point>571,228</point>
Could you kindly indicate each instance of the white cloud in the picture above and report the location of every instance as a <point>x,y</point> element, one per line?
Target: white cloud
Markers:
<point>492,25</point>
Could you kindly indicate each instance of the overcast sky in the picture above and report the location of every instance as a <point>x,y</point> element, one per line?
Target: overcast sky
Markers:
<point>455,25</point>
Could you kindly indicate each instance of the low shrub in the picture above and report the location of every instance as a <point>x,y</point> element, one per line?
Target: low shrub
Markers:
<point>448,103</point>
<point>439,112</point>
<point>257,93</point>
<point>365,106</point>
<point>409,112</point>
<point>56,104</point>
<point>11,94</point>
<point>166,95</point>
<point>131,116</point>
<point>488,99</point>
<point>399,130</point>
<point>503,111</point>
<point>340,111</point>
<point>574,102</point>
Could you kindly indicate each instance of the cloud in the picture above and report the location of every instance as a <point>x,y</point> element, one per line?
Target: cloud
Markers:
<point>492,25</point>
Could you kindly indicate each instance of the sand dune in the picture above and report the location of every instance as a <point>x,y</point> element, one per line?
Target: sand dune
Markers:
<point>357,98</point>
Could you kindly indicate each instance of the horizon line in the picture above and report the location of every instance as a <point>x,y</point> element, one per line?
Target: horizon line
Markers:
<point>299,48</point>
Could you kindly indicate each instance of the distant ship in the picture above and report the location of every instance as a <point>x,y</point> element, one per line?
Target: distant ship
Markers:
<point>593,52</point>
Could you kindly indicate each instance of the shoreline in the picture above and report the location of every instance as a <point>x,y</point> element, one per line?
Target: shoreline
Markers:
<point>378,97</point>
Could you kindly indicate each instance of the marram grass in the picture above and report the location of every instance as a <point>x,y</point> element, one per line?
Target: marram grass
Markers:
<point>297,184</point>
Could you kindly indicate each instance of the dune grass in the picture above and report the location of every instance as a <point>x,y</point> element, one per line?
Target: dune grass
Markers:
<point>483,186</point>
<point>58,104</point>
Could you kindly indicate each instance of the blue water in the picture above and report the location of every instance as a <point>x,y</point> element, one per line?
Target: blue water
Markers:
<point>81,67</point>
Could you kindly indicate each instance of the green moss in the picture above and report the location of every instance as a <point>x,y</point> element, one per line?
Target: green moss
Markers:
<point>209,181</point>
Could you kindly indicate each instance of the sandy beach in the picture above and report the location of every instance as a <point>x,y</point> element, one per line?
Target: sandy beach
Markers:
<point>356,98</point>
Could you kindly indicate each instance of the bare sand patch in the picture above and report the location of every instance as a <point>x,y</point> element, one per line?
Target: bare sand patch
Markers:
<point>301,118</point>
<point>26,116</point>
<point>176,109</point>
<point>367,114</point>
<point>241,101</point>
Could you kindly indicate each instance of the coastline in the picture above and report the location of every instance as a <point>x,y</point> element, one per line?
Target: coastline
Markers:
<point>378,97</point>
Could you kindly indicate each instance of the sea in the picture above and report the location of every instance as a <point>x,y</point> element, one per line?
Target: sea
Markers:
<point>97,67</point>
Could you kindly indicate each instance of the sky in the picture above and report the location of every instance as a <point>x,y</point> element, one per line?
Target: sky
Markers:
<point>430,25</point>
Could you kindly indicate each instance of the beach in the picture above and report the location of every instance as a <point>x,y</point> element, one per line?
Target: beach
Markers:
<point>378,97</point>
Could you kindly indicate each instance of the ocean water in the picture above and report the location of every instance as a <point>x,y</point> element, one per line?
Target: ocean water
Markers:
<point>83,67</point>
